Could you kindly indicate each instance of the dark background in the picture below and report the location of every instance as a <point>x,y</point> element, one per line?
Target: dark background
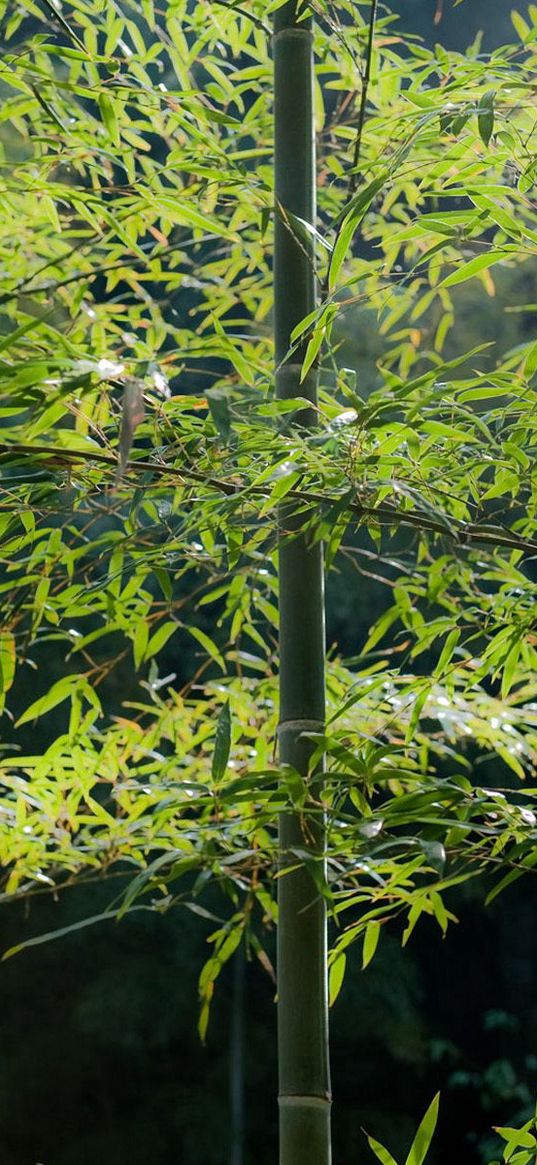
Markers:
<point>100,1061</point>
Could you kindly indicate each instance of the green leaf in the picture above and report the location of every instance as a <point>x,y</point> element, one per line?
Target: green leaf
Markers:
<point>435,853</point>
<point>218,402</point>
<point>227,941</point>
<point>160,638</point>
<point>527,177</point>
<point>107,107</point>
<point>57,15</point>
<point>473,267</point>
<point>447,652</point>
<point>517,1138</point>
<point>371,938</point>
<point>417,708</point>
<point>336,977</point>
<point>358,209</point>
<point>183,213</point>
<point>509,668</point>
<point>380,1152</point>
<point>222,743</point>
<point>530,363</point>
<point>380,628</point>
<point>414,914</point>
<point>424,1135</point>
<point>513,876</point>
<point>485,117</point>
<point>140,642</point>
<point>208,644</point>
<point>306,231</point>
<point>37,941</point>
<point>174,858</point>
<point>60,691</point>
<point>520,25</point>
<point>312,351</point>
<point>7,660</point>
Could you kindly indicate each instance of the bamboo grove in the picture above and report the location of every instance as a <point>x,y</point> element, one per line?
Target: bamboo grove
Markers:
<point>148,470</point>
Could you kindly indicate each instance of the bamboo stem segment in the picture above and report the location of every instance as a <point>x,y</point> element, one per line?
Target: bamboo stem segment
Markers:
<point>304,1078</point>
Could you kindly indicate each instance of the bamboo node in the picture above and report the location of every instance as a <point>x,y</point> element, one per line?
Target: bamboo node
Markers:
<point>300,726</point>
<point>292,33</point>
<point>300,1101</point>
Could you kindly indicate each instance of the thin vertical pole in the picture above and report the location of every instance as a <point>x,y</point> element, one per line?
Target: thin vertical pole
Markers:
<point>304,1080</point>
<point>236,1073</point>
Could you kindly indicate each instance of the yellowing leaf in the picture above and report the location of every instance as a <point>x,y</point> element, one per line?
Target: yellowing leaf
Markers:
<point>372,935</point>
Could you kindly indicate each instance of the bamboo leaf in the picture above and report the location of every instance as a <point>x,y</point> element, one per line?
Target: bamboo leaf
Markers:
<point>424,1135</point>
<point>509,668</point>
<point>312,351</point>
<point>208,644</point>
<point>60,691</point>
<point>473,267</point>
<point>417,708</point>
<point>222,743</point>
<point>371,938</point>
<point>8,656</point>
<point>530,363</point>
<point>520,25</point>
<point>307,231</point>
<point>336,977</point>
<point>512,876</point>
<point>38,940</point>
<point>141,635</point>
<point>485,117</point>
<point>517,1138</point>
<point>107,107</point>
<point>446,654</point>
<point>349,226</point>
<point>380,1152</point>
<point>159,638</point>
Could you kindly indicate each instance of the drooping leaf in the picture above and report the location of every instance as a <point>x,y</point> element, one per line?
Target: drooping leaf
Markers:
<point>222,743</point>
<point>371,938</point>
<point>422,1140</point>
<point>336,977</point>
<point>380,1152</point>
<point>485,116</point>
<point>132,415</point>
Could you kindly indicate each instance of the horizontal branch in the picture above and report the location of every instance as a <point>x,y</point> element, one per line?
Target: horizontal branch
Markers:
<point>463,534</point>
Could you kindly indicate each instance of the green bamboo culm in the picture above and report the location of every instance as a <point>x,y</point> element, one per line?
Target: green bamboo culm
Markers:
<point>304,1077</point>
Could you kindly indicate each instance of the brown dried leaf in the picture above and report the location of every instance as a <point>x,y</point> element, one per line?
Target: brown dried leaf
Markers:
<point>133,411</point>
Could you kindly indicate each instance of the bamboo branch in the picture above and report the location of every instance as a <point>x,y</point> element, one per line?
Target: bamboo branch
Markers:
<point>461,533</point>
<point>354,176</point>
<point>363,98</point>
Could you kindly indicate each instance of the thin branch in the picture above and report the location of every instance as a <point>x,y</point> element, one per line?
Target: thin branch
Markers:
<point>363,99</point>
<point>354,175</point>
<point>461,533</point>
<point>56,15</point>
<point>244,12</point>
<point>54,285</point>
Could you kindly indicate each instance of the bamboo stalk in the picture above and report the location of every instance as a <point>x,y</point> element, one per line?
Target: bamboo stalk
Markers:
<point>304,1079</point>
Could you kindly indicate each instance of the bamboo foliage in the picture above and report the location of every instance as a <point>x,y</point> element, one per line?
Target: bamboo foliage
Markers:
<point>147,475</point>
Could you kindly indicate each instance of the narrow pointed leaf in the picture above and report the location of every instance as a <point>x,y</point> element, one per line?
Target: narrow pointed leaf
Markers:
<point>380,1152</point>
<point>424,1135</point>
<point>222,743</point>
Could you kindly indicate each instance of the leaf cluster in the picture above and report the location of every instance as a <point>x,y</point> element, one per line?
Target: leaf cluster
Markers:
<point>144,461</point>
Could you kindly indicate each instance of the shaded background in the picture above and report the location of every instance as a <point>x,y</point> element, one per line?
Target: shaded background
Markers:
<point>99,1056</point>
